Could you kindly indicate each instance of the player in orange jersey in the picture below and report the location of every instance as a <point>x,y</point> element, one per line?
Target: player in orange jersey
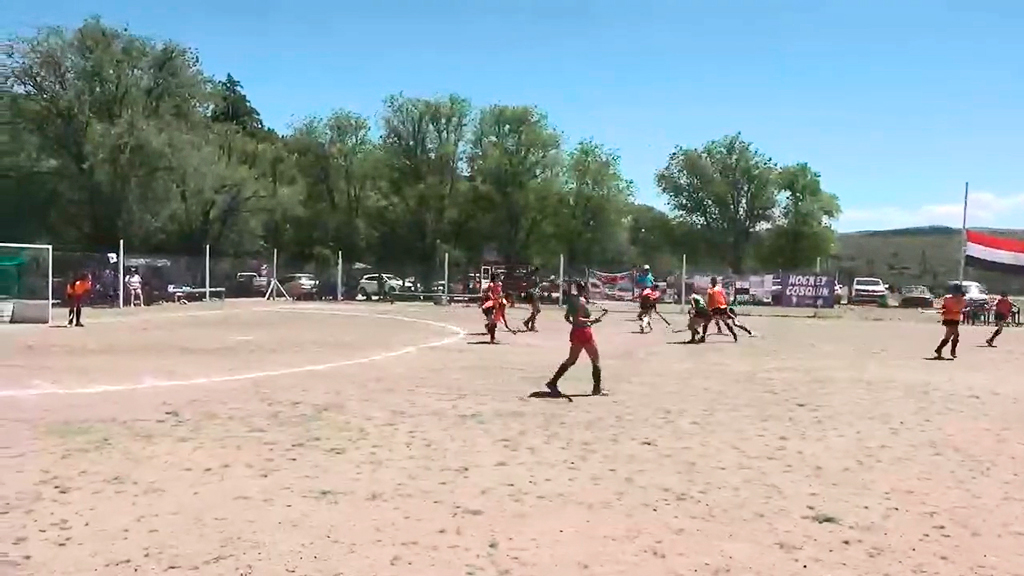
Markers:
<point>77,290</point>
<point>952,310</point>
<point>1003,308</point>
<point>718,305</point>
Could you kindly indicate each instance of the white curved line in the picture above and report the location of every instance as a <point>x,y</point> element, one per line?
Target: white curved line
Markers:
<point>459,334</point>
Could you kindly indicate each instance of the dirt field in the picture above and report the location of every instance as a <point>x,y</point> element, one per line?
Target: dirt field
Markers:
<point>361,439</point>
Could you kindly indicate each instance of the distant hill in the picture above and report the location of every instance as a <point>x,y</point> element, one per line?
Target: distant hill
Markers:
<point>928,255</point>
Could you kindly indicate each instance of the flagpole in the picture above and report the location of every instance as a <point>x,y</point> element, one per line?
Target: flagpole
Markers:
<point>963,235</point>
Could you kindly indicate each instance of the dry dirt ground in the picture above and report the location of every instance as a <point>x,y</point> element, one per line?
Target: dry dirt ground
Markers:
<point>361,439</point>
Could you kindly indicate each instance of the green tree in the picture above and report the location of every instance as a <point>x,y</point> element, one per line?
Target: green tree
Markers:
<point>726,188</point>
<point>337,158</point>
<point>593,220</point>
<point>422,146</point>
<point>232,106</point>
<point>803,230</point>
<point>513,162</point>
<point>99,103</point>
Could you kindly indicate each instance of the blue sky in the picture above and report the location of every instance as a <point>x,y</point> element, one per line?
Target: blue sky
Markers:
<point>896,103</point>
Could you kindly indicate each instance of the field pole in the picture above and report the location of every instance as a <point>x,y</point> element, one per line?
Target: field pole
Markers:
<point>445,291</point>
<point>207,272</point>
<point>682,287</point>
<point>963,240</point>
<point>49,266</point>
<point>561,278</point>
<point>817,266</point>
<point>272,283</point>
<point>120,273</point>
<point>339,290</point>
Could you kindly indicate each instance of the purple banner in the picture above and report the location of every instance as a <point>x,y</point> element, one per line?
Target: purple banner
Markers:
<point>808,291</point>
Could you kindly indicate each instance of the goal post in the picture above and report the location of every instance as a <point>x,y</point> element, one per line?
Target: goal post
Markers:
<point>26,283</point>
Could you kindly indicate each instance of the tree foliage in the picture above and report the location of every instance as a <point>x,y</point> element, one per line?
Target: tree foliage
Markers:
<point>109,135</point>
<point>735,195</point>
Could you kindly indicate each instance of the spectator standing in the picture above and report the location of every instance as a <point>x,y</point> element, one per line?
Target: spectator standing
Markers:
<point>382,289</point>
<point>134,282</point>
<point>644,279</point>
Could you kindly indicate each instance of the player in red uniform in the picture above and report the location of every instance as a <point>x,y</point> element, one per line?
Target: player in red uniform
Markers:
<point>1003,308</point>
<point>495,290</point>
<point>648,307</point>
<point>581,339</point>
<point>494,312</point>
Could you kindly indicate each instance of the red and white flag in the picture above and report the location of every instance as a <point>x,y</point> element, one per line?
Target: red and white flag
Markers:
<point>994,253</point>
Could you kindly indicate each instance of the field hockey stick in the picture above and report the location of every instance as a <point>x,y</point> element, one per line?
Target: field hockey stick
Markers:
<point>604,312</point>
<point>663,319</point>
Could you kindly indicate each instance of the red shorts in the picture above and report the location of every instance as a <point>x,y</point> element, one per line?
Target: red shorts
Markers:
<point>581,336</point>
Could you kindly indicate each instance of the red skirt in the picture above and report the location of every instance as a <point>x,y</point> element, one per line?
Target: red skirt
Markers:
<point>581,335</point>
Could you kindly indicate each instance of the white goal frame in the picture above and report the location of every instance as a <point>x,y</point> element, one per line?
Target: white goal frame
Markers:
<point>49,271</point>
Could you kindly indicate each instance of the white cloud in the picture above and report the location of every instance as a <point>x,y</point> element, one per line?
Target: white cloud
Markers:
<point>984,209</point>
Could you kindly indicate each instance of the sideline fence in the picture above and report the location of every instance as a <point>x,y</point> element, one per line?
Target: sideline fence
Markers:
<point>273,274</point>
<point>211,276</point>
<point>331,276</point>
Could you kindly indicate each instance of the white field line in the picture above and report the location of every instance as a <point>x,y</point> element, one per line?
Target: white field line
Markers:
<point>459,333</point>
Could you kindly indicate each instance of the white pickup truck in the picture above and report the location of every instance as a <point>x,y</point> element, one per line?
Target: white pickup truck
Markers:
<point>870,290</point>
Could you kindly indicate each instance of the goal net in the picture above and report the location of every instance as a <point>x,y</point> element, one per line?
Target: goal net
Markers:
<point>26,283</point>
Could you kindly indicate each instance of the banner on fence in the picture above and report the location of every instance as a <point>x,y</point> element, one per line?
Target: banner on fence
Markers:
<point>808,291</point>
<point>607,286</point>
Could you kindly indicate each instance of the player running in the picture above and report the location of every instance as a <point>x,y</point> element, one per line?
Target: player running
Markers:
<point>581,338</point>
<point>533,299</point>
<point>718,304</point>
<point>952,310</point>
<point>1004,307</point>
<point>648,307</point>
<point>494,312</point>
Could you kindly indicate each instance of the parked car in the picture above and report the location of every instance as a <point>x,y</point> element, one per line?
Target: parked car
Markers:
<point>248,285</point>
<point>368,284</point>
<point>916,297</point>
<point>867,290</point>
<point>300,286</point>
